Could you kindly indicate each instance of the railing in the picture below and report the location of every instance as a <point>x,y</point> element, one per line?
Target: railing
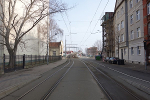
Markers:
<point>23,61</point>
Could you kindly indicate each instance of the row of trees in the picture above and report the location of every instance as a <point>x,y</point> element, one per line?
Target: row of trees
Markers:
<point>19,17</point>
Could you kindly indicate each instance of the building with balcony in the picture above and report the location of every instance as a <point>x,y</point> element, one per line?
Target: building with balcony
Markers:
<point>108,35</point>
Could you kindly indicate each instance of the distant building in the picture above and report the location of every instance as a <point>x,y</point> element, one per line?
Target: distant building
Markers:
<point>56,48</point>
<point>92,51</point>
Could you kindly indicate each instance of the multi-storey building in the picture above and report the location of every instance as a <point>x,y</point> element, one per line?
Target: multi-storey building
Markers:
<point>135,31</point>
<point>120,29</point>
<point>108,35</point>
<point>128,28</point>
<point>146,19</point>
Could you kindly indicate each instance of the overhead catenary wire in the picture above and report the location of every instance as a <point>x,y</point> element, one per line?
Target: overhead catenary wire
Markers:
<point>97,22</point>
<point>91,21</point>
<point>65,23</point>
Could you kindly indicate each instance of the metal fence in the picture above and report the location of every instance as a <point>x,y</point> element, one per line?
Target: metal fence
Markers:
<point>23,61</point>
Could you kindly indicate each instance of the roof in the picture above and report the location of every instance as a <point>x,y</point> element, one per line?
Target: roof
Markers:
<point>54,44</point>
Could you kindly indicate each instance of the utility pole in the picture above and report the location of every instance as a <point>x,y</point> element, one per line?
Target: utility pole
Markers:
<point>65,45</point>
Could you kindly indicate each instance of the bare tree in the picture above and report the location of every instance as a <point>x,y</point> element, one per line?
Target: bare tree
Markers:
<point>17,22</point>
<point>54,31</point>
<point>98,44</point>
<point>117,39</point>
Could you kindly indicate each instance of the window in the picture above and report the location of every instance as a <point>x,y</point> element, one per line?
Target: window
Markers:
<point>54,53</point>
<point>118,14</point>
<point>137,1</point>
<point>138,50</point>
<point>132,51</point>
<point>132,35</point>
<point>131,19</point>
<point>137,15</point>
<point>117,52</point>
<point>125,51</point>
<point>122,11</point>
<point>131,3</point>
<point>148,8</point>
<point>122,24</point>
<point>118,26</point>
<point>149,29</point>
<point>119,39</point>
<point>138,32</point>
<point>122,37</point>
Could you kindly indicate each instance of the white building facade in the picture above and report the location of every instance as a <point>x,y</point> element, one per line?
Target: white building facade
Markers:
<point>135,31</point>
<point>128,26</point>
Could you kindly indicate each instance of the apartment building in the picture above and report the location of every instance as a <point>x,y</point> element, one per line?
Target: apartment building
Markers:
<point>120,28</point>
<point>146,19</point>
<point>128,26</point>
<point>31,43</point>
<point>135,31</point>
<point>108,35</point>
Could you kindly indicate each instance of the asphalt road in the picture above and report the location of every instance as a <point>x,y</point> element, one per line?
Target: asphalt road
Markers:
<point>136,82</point>
<point>83,79</point>
<point>78,84</point>
<point>74,83</point>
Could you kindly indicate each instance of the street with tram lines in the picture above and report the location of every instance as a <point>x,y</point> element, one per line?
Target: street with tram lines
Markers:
<point>84,79</point>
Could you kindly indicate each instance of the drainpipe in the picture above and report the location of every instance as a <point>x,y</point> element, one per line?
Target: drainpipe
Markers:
<point>126,26</point>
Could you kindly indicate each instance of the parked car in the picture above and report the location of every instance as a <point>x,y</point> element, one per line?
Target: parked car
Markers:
<point>113,60</point>
<point>106,59</point>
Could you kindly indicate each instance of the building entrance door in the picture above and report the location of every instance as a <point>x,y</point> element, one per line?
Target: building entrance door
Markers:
<point>121,53</point>
<point>148,54</point>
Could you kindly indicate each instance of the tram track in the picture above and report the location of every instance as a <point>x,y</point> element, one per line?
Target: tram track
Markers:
<point>46,96</point>
<point>110,85</point>
<point>42,88</point>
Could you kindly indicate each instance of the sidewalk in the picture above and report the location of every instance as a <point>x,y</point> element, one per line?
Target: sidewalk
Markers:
<point>136,82</point>
<point>136,67</point>
<point>8,81</point>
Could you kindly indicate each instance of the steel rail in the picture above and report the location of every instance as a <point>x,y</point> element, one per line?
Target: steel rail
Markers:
<point>42,81</point>
<point>115,81</point>
<point>107,94</point>
<point>56,84</point>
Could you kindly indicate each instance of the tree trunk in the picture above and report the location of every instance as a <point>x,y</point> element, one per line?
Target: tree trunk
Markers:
<point>12,58</point>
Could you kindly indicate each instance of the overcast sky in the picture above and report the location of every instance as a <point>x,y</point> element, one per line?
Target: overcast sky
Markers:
<point>82,20</point>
